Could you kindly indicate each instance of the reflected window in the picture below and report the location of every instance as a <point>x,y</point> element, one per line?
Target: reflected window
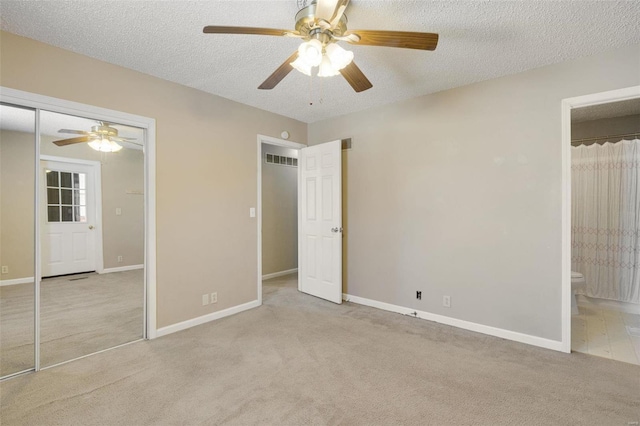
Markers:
<point>66,196</point>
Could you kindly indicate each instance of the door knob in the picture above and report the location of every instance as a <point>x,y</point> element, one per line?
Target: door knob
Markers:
<point>336,229</point>
<point>90,226</point>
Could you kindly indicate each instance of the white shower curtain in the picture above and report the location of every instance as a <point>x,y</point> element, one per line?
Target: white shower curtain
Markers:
<point>605,185</point>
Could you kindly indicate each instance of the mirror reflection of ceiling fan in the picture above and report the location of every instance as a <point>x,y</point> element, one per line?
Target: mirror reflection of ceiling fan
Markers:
<point>321,24</point>
<point>102,137</point>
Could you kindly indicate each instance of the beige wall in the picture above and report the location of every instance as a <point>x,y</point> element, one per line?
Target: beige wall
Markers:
<point>122,173</point>
<point>17,171</point>
<point>459,193</point>
<point>279,213</point>
<point>206,174</point>
<point>455,193</point>
<point>605,126</point>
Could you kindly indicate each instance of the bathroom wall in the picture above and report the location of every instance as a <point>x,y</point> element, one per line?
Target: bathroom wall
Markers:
<point>603,127</point>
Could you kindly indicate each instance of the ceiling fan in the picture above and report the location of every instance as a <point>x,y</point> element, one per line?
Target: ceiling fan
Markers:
<point>102,137</point>
<point>321,24</point>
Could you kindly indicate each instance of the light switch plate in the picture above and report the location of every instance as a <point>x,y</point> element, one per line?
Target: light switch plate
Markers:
<point>118,211</point>
<point>252,212</point>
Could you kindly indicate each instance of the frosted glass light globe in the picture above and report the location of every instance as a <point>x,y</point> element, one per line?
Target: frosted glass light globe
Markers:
<point>339,57</point>
<point>105,145</point>
<point>311,51</point>
<point>326,68</point>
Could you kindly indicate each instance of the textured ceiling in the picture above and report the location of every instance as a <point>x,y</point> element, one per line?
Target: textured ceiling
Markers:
<point>478,41</point>
<point>610,110</point>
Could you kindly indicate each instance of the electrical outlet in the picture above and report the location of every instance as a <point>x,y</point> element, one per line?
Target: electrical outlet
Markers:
<point>446,301</point>
<point>5,269</point>
<point>419,295</point>
<point>205,299</point>
<point>119,259</point>
<point>214,297</point>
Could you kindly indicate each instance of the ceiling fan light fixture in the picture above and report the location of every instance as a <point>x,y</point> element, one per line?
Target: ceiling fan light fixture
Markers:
<point>339,57</point>
<point>105,145</point>
<point>311,52</point>
<point>301,65</point>
<point>327,69</point>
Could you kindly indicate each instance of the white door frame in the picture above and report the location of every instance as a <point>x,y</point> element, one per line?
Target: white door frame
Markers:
<point>567,105</point>
<point>97,167</point>
<point>41,102</point>
<point>269,140</point>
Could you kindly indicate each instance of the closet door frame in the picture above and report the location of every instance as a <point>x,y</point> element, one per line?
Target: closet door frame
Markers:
<point>37,103</point>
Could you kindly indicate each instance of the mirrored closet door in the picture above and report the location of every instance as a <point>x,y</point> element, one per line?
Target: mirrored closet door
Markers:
<point>91,236</point>
<point>17,248</point>
<point>85,179</point>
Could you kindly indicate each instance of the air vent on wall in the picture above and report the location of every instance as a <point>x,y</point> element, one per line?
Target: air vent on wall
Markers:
<point>281,160</point>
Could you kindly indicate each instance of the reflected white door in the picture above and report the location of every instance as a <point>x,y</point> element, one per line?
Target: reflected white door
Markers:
<point>68,218</point>
<point>320,224</point>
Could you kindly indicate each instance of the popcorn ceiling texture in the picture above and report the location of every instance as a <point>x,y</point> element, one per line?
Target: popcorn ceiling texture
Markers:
<point>478,41</point>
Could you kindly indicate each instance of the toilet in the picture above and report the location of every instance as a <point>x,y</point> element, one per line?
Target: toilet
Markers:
<point>577,283</point>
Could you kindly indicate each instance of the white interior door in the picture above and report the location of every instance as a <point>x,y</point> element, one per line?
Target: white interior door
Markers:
<point>68,203</point>
<point>320,224</point>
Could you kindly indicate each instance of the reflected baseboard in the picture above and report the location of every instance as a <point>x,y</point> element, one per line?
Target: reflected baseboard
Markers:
<point>15,281</point>
<point>121,269</point>
<point>28,280</point>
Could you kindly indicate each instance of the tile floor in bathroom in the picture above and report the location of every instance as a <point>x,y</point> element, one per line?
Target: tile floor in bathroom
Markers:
<point>605,332</point>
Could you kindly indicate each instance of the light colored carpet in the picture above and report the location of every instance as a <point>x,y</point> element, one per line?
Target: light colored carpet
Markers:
<point>78,317</point>
<point>298,360</point>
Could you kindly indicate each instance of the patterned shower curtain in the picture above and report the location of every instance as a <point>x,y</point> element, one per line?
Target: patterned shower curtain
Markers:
<point>605,185</point>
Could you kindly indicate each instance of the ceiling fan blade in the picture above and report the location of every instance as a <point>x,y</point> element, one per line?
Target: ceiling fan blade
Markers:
<point>280,73</point>
<point>294,34</point>
<point>217,29</point>
<point>325,9</point>
<point>71,141</point>
<point>121,139</point>
<point>356,78</point>
<point>342,6</point>
<point>404,39</point>
<point>74,132</point>
<point>132,145</point>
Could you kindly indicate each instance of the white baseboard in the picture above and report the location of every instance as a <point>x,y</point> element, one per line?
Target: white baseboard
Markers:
<point>555,345</point>
<point>15,281</point>
<point>279,274</point>
<point>206,318</point>
<point>122,269</point>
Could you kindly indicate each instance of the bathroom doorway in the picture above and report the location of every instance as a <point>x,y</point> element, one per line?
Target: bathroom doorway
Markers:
<point>604,230</point>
